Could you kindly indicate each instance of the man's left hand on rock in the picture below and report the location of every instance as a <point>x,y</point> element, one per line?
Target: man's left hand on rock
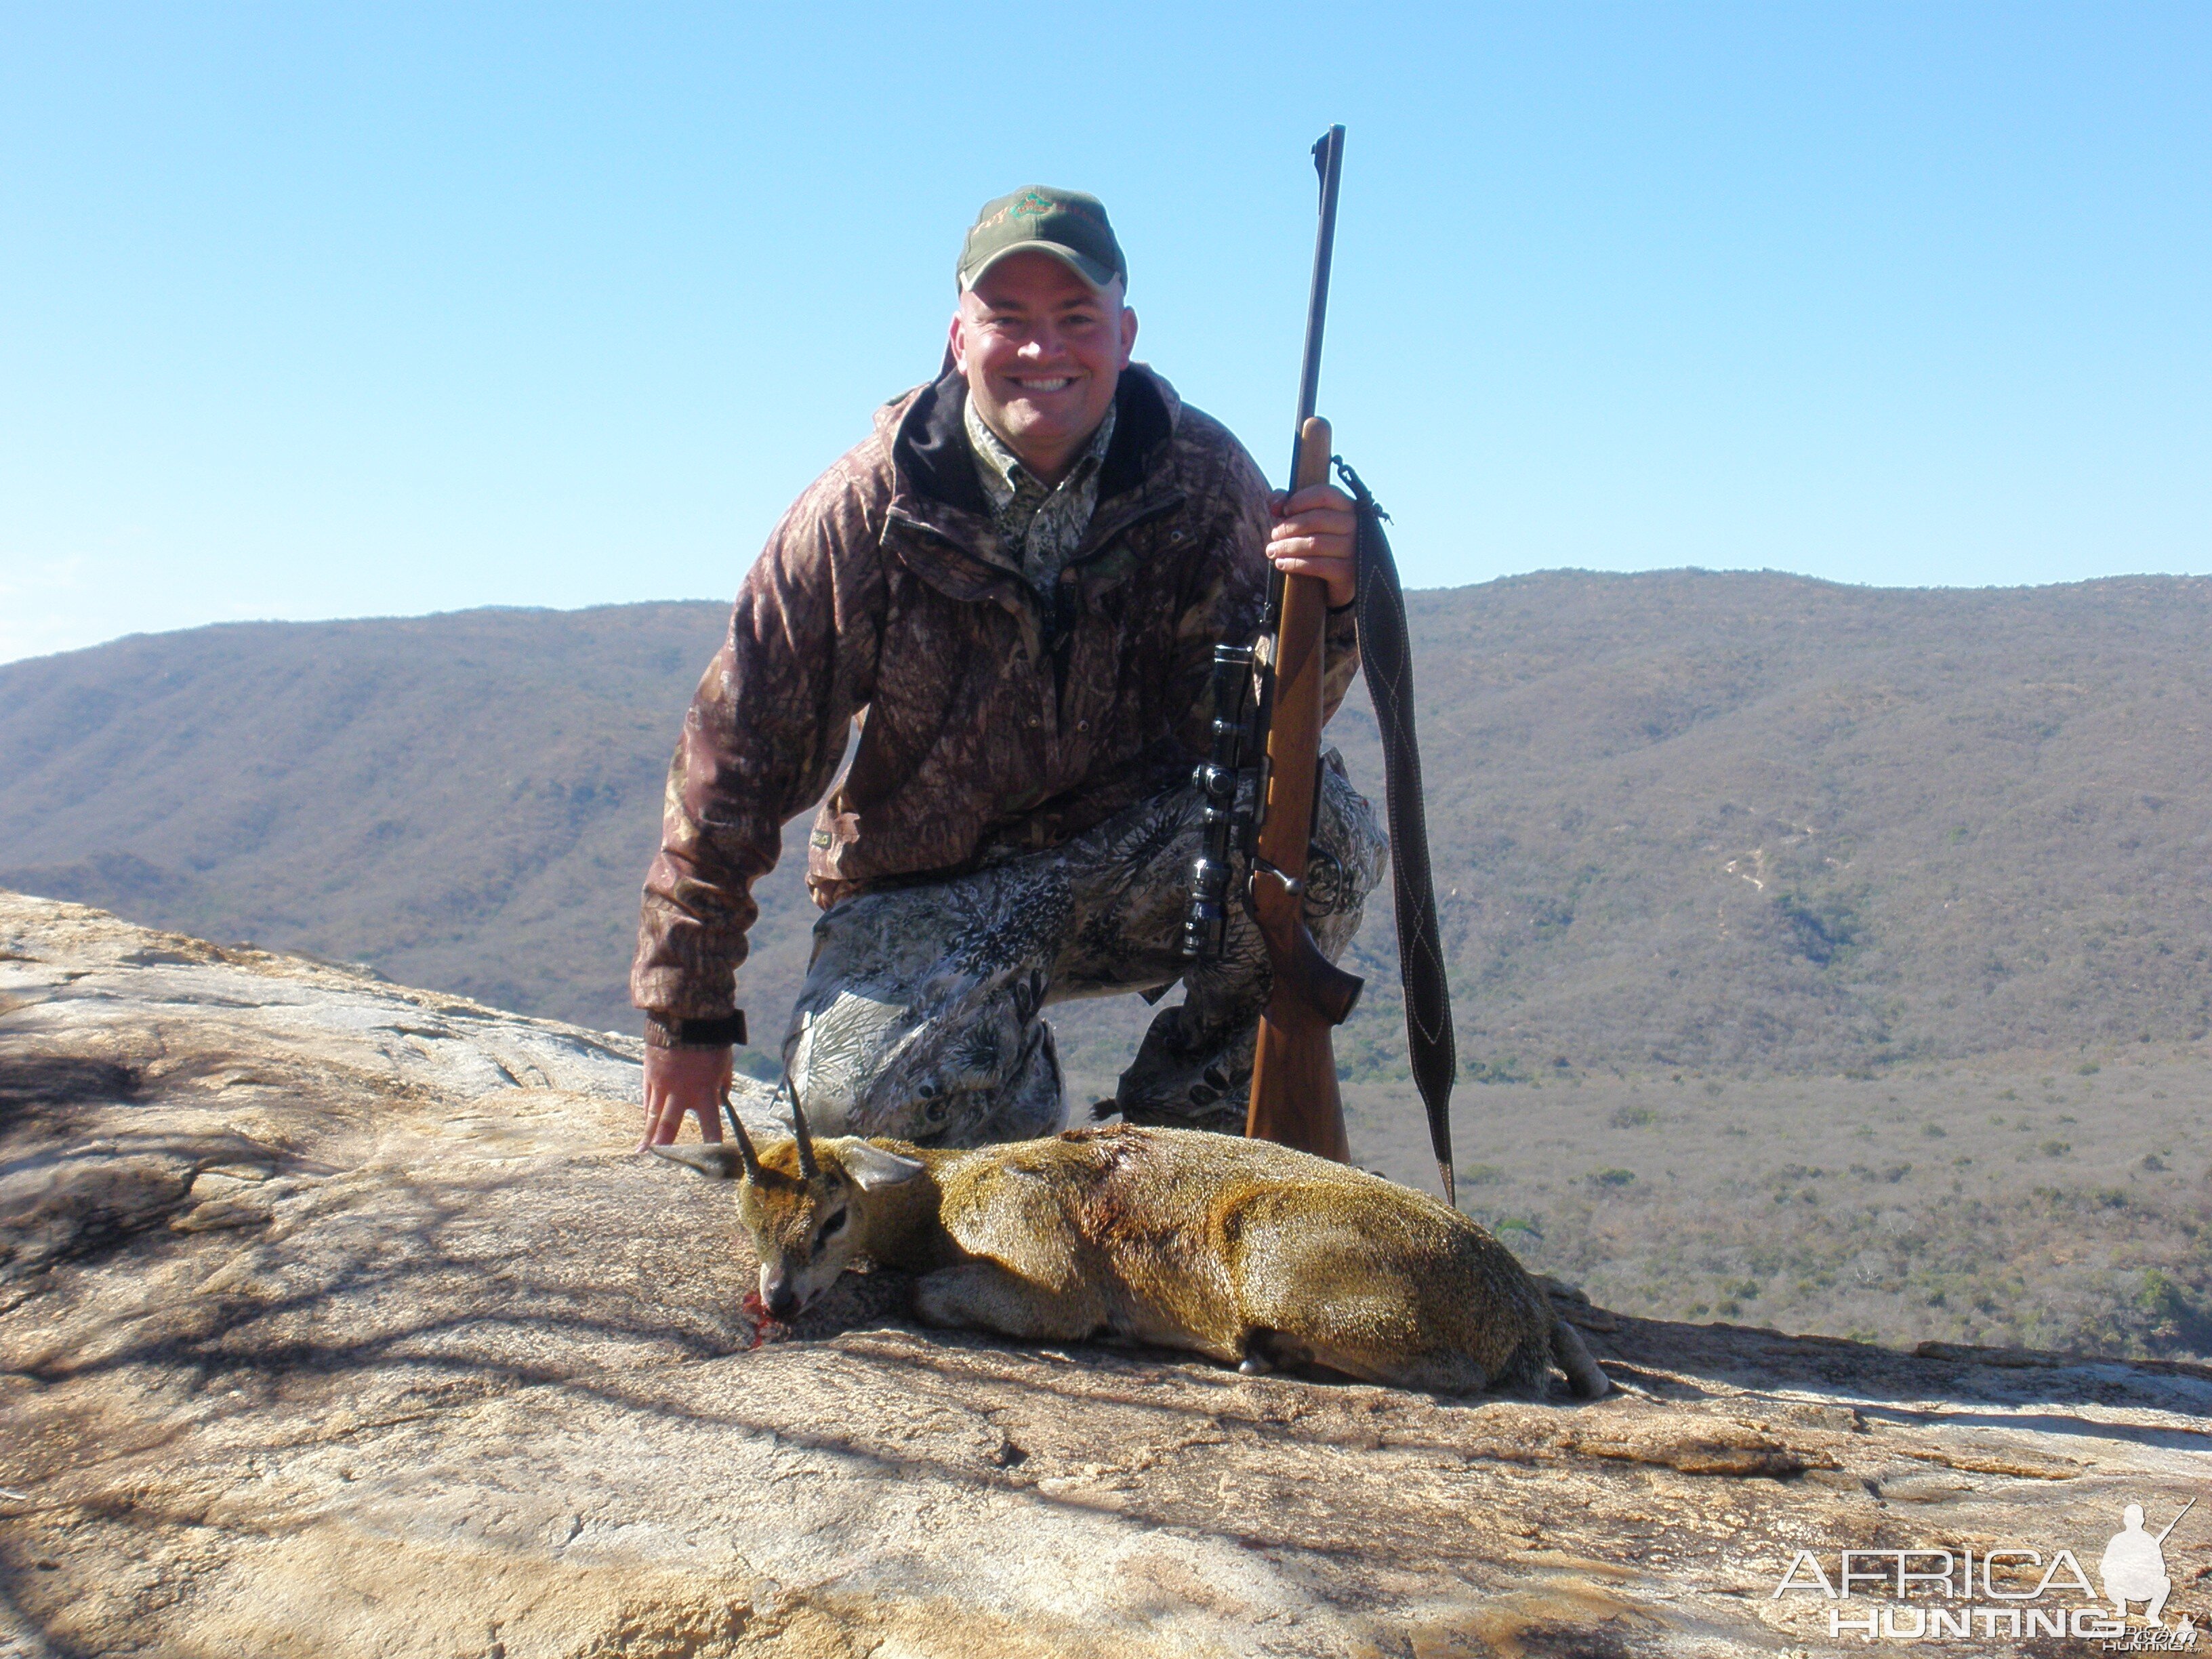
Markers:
<point>1314,535</point>
<point>682,1083</point>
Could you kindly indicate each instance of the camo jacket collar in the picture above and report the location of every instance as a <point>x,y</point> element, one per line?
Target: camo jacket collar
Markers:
<point>939,521</point>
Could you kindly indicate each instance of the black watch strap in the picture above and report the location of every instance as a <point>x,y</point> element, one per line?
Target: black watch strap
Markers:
<point>695,1033</point>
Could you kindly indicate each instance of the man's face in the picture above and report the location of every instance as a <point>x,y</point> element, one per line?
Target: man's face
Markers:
<point>1041,350</point>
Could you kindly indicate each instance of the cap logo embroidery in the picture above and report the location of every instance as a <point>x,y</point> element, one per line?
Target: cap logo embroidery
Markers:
<point>1034,205</point>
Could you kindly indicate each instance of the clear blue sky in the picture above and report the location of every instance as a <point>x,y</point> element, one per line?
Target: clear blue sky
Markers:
<point>314,311</point>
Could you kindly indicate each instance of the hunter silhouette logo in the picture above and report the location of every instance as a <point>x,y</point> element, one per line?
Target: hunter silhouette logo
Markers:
<point>2133,1567</point>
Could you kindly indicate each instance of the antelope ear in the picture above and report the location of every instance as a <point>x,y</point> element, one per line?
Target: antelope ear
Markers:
<point>872,1167</point>
<point>720,1160</point>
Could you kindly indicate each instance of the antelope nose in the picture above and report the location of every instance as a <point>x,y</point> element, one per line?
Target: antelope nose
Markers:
<point>782,1303</point>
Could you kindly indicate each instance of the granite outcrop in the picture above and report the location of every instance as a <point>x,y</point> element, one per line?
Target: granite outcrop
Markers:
<point>338,1318</point>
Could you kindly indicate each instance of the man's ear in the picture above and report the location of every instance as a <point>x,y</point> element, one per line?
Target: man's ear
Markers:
<point>1129,336</point>
<point>956,346</point>
<point>872,1167</point>
<point>719,1160</point>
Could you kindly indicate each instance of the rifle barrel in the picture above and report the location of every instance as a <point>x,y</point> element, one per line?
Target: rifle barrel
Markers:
<point>1328,162</point>
<point>2176,1521</point>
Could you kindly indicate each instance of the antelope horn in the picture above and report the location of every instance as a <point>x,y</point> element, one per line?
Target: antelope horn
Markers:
<point>807,1167</point>
<point>745,1152</point>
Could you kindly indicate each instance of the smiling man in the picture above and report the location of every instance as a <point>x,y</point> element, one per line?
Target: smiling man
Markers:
<point>1012,590</point>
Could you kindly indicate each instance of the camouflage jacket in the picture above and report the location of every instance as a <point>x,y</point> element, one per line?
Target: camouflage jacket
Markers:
<point>990,721</point>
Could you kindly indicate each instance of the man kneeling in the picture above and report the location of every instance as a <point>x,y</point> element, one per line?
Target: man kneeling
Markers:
<point>1013,588</point>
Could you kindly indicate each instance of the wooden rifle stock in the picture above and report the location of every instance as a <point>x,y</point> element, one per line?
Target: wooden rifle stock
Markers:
<point>1295,1100</point>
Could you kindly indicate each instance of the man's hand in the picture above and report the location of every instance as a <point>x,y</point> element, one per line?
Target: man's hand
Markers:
<point>680,1082</point>
<point>1314,534</point>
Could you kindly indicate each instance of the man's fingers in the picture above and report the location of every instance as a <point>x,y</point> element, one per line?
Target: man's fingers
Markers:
<point>681,1082</point>
<point>665,1116</point>
<point>1343,587</point>
<point>671,1119</point>
<point>1317,522</point>
<point>710,1110</point>
<point>1306,559</point>
<point>1330,558</point>
<point>1323,497</point>
<point>1304,535</point>
<point>1307,547</point>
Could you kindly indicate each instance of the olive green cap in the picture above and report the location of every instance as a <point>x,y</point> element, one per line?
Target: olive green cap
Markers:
<point>1065,223</point>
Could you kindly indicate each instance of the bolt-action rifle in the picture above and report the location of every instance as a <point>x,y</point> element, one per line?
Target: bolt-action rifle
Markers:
<point>1266,699</point>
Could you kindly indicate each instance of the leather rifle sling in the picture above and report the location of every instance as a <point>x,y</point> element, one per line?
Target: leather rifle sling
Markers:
<point>1386,659</point>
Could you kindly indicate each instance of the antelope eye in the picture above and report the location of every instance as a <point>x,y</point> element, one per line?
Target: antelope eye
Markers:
<point>835,1223</point>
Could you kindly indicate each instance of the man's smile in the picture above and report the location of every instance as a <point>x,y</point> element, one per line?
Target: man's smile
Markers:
<point>1041,350</point>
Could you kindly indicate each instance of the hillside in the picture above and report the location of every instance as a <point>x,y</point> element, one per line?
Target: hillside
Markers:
<point>466,801</point>
<point>1728,823</point>
<point>1759,822</point>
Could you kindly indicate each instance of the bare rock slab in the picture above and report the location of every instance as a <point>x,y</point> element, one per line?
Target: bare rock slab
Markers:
<point>338,1318</point>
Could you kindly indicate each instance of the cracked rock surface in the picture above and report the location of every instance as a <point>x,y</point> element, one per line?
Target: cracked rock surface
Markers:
<point>338,1318</point>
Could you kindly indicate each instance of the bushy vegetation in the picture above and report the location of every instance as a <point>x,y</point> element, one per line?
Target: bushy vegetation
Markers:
<point>1828,1205</point>
<point>1936,862</point>
<point>1756,823</point>
<point>1723,821</point>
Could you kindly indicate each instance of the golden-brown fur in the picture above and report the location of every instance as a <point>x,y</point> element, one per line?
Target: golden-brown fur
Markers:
<point>1239,1249</point>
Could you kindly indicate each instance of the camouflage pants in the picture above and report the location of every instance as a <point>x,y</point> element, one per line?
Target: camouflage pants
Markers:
<point>923,1013</point>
